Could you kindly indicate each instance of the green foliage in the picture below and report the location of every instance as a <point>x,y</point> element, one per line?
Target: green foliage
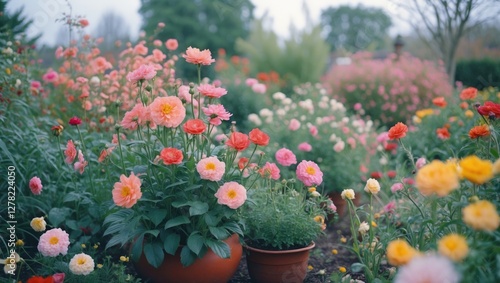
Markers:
<point>355,28</point>
<point>478,73</point>
<point>13,25</point>
<point>301,58</point>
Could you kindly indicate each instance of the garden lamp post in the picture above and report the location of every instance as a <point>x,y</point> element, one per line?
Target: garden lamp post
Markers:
<point>398,46</point>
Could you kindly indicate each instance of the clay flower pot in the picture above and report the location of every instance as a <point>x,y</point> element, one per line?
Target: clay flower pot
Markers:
<point>269,266</point>
<point>209,269</point>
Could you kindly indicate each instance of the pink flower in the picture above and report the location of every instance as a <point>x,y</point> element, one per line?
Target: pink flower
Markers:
<point>58,277</point>
<point>211,91</point>
<point>429,268</point>
<point>75,121</point>
<point>51,77</point>
<point>309,173</point>
<point>397,187</point>
<point>81,163</point>
<point>139,115</point>
<point>259,88</point>
<point>127,192</point>
<point>305,147</point>
<point>420,162</point>
<point>216,113</point>
<point>270,171</point>
<point>167,111</point>
<point>358,106</point>
<point>36,185</point>
<point>144,72</point>
<point>161,24</point>
<point>140,49</point>
<point>195,56</point>
<point>251,81</point>
<point>383,137</point>
<point>389,207</point>
<point>294,125</point>
<point>158,55</point>
<point>231,194</point>
<point>184,93</point>
<point>53,242</point>
<point>211,168</point>
<point>339,146</point>
<point>70,152</point>
<point>285,157</point>
<point>83,22</point>
<point>171,44</point>
<point>313,131</point>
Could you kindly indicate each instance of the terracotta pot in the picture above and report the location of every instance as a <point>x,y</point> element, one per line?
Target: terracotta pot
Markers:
<point>209,269</point>
<point>341,204</point>
<point>265,266</point>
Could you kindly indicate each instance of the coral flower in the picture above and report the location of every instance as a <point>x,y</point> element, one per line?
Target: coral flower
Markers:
<point>489,108</point>
<point>479,131</point>
<point>144,72</point>
<point>51,77</point>
<point>231,194</point>
<point>437,177</point>
<point>481,215</point>
<point>81,163</point>
<point>476,170</point>
<point>258,137</point>
<point>443,133</point>
<point>81,264</point>
<point>194,126</point>
<point>70,152</point>
<point>309,173</point>
<point>83,22</point>
<point>216,113</point>
<point>285,157</point>
<point>53,242</point>
<point>167,111</point>
<point>430,269</point>
<point>211,168</point>
<point>399,252</point>
<point>439,102</point>
<point>127,192</point>
<point>39,279</point>
<point>171,44</point>
<point>468,93</point>
<point>238,141</point>
<point>195,56</point>
<point>453,246</point>
<point>36,185</point>
<point>270,171</point>
<point>397,131</point>
<point>171,156</point>
<point>211,91</point>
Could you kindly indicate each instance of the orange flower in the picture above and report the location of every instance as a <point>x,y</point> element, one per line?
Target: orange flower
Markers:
<point>167,111</point>
<point>468,93</point>
<point>439,102</point>
<point>479,131</point>
<point>258,137</point>
<point>238,141</point>
<point>397,131</point>
<point>443,133</point>
<point>171,155</point>
<point>127,192</point>
<point>194,126</point>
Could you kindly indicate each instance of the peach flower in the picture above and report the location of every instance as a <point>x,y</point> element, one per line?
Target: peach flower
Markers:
<point>127,192</point>
<point>231,194</point>
<point>397,131</point>
<point>195,56</point>
<point>167,111</point>
<point>211,168</point>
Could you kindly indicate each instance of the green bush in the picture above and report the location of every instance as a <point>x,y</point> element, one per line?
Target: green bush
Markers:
<point>478,73</point>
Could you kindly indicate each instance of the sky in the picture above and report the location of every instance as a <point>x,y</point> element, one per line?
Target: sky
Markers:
<point>282,12</point>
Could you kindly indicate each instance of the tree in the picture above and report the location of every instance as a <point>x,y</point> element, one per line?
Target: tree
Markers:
<point>14,24</point>
<point>205,24</point>
<point>355,28</point>
<point>112,27</point>
<point>441,23</point>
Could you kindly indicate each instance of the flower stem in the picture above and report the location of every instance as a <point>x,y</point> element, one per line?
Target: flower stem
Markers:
<point>120,148</point>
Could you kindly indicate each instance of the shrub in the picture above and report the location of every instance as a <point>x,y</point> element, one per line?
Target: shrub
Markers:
<point>478,73</point>
<point>389,90</point>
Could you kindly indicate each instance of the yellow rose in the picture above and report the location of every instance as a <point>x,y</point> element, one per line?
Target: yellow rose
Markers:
<point>481,215</point>
<point>38,224</point>
<point>399,252</point>
<point>476,170</point>
<point>437,177</point>
<point>453,246</point>
<point>372,186</point>
<point>348,194</point>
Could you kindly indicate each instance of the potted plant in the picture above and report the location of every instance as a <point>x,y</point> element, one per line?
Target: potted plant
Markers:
<point>177,191</point>
<point>282,220</point>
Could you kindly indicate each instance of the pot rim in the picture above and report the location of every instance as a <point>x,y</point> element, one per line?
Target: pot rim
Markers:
<point>311,246</point>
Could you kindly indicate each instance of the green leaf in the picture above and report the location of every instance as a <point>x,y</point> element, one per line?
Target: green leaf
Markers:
<point>72,196</point>
<point>154,254</point>
<point>219,248</point>
<point>178,204</point>
<point>140,169</point>
<point>72,224</point>
<point>219,232</point>
<point>195,242</point>
<point>357,267</point>
<point>211,219</point>
<point>153,232</point>
<point>157,216</point>
<point>233,227</point>
<point>137,248</point>
<point>179,220</point>
<point>198,208</point>
<point>187,257</point>
<point>58,215</point>
<point>171,243</point>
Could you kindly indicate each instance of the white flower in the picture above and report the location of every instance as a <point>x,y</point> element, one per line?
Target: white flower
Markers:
<point>372,186</point>
<point>430,268</point>
<point>254,118</point>
<point>18,83</point>
<point>348,194</point>
<point>279,95</point>
<point>363,227</point>
<point>81,264</point>
<point>264,112</point>
<point>10,263</point>
<point>95,81</point>
<point>281,112</point>
<point>383,160</point>
<point>287,101</point>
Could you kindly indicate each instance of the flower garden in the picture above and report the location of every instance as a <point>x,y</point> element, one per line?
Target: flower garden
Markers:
<point>392,173</point>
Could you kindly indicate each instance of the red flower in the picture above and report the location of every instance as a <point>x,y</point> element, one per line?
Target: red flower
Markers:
<point>397,131</point>
<point>258,137</point>
<point>390,146</point>
<point>479,131</point>
<point>391,174</point>
<point>171,155</point>
<point>443,133</point>
<point>75,121</point>
<point>238,141</point>
<point>242,162</point>
<point>489,108</point>
<point>439,101</point>
<point>39,279</point>
<point>194,126</point>
<point>376,175</point>
<point>468,93</point>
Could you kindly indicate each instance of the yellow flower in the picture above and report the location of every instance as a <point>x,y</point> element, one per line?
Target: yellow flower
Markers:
<point>96,246</point>
<point>416,120</point>
<point>469,114</point>
<point>496,167</point>
<point>453,246</point>
<point>372,186</point>
<point>311,189</point>
<point>476,170</point>
<point>348,194</point>
<point>124,258</point>
<point>320,219</point>
<point>437,177</point>
<point>99,265</point>
<point>7,71</point>
<point>19,243</point>
<point>342,269</point>
<point>376,215</point>
<point>481,215</point>
<point>84,246</point>
<point>343,240</point>
<point>424,112</point>
<point>38,224</point>
<point>374,224</point>
<point>310,267</point>
<point>334,251</point>
<point>399,252</point>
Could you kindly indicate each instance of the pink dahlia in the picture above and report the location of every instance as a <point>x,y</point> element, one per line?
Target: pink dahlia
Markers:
<point>309,173</point>
<point>285,157</point>
<point>53,242</point>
